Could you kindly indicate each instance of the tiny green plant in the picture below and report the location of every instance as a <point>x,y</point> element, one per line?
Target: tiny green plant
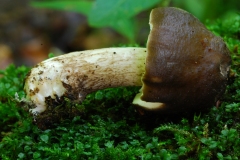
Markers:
<point>117,14</point>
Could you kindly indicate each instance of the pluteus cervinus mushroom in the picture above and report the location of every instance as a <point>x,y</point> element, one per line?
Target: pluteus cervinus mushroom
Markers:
<point>184,67</point>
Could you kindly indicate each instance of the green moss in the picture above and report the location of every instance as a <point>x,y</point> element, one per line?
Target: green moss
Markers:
<point>11,82</point>
<point>107,126</point>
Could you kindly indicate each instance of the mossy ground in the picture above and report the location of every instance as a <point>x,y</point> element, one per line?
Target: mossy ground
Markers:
<point>107,126</point>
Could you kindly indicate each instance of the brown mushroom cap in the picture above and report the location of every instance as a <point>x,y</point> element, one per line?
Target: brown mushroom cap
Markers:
<point>187,66</point>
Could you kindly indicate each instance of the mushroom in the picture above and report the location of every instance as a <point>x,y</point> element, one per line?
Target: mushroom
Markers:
<point>185,67</point>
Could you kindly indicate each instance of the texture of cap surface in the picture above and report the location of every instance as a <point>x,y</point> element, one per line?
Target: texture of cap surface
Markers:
<point>187,66</point>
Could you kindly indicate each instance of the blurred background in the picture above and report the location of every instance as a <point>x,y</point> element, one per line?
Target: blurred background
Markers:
<point>31,29</point>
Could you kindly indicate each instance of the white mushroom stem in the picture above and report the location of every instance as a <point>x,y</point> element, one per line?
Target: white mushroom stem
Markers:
<point>79,73</point>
